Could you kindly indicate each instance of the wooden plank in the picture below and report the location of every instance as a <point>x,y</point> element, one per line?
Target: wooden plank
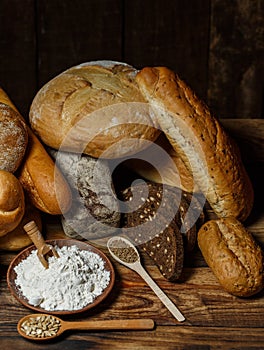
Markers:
<point>73,32</point>
<point>17,53</point>
<point>249,134</point>
<point>169,33</point>
<point>236,58</point>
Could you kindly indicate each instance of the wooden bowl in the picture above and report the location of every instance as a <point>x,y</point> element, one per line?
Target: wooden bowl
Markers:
<point>11,275</point>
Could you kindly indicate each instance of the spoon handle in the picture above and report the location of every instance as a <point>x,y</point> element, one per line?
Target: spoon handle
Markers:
<point>129,324</point>
<point>160,294</point>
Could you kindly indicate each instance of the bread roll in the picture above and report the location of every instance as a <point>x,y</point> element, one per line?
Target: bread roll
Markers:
<point>200,141</point>
<point>233,255</point>
<point>12,202</point>
<point>13,136</point>
<point>18,238</point>
<point>42,180</point>
<point>93,108</point>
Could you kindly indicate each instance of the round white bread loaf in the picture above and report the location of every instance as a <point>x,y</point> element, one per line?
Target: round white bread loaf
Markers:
<point>13,138</point>
<point>90,108</point>
<point>200,141</point>
<point>12,202</point>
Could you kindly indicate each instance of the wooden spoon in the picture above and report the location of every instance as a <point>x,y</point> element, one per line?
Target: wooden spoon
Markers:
<point>43,249</point>
<point>45,326</point>
<point>126,253</point>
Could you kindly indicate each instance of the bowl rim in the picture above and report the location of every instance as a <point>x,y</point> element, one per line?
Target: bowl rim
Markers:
<point>60,242</point>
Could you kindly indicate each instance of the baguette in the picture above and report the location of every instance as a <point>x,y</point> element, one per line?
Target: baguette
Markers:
<point>198,138</point>
<point>42,181</point>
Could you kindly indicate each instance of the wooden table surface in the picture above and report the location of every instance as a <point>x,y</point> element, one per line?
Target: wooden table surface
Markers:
<point>214,318</point>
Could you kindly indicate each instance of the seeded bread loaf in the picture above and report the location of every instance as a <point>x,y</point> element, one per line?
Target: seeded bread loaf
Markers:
<point>94,212</point>
<point>155,219</point>
<point>233,255</point>
<point>201,142</point>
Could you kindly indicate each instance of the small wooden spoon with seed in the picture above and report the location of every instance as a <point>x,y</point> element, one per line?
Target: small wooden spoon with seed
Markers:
<point>44,326</point>
<point>126,253</point>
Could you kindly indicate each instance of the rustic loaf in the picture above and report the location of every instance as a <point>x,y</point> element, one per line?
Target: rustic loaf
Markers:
<point>94,212</point>
<point>233,255</point>
<point>198,138</point>
<point>95,108</point>
<point>13,136</point>
<point>155,219</point>
<point>12,202</point>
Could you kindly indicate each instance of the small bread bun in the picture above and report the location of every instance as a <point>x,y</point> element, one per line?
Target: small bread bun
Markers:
<point>13,138</point>
<point>233,255</point>
<point>18,238</point>
<point>12,202</point>
<point>93,108</point>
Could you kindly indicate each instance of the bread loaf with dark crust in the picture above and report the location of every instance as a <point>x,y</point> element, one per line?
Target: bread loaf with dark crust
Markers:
<point>200,141</point>
<point>94,212</point>
<point>13,138</point>
<point>155,218</point>
<point>12,202</point>
<point>233,255</point>
<point>90,108</point>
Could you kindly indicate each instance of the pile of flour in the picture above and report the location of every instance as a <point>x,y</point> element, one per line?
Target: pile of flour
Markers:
<point>71,282</point>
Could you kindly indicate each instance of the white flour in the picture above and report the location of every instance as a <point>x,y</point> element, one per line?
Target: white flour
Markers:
<point>71,282</point>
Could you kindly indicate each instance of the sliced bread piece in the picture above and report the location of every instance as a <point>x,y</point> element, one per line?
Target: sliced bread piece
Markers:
<point>150,223</point>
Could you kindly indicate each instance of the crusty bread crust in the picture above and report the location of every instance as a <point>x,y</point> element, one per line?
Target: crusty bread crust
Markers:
<point>44,184</point>
<point>233,255</point>
<point>13,138</point>
<point>90,109</point>
<point>200,141</point>
<point>42,180</point>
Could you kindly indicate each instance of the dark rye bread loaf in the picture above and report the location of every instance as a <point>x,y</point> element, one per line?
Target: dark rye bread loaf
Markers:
<point>154,216</point>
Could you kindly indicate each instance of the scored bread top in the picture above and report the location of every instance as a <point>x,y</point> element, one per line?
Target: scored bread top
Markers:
<point>91,109</point>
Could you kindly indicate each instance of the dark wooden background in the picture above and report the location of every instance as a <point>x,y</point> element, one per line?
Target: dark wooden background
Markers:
<point>215,45</point>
